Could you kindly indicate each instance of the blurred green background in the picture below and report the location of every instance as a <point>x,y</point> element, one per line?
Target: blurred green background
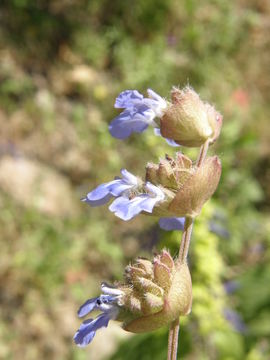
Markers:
<point>62,63</point>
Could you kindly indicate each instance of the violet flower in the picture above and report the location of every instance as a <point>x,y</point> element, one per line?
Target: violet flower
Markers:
<point>139,113</point>
<point>132,196</point>
<point>235,320</point>
<point>108,303</point>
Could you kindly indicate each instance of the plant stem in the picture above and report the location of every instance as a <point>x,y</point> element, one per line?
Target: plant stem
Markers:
<point>203,153</point>
<point>185,242</point>
<point>170,342</point>
<point>183,253</point>
<point>173,340</point>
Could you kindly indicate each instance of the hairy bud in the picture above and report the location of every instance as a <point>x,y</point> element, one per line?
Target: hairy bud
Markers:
<point>188,120</point>
<point>158,296</point>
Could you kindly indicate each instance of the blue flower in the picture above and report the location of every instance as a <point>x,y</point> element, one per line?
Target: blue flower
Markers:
<point>231,286</point>
<point>235,319</point>
<point>104,192</point>
<point>139,113</point>
<point>172,223</point>
<point>132,196</point>
<point>108,303</point>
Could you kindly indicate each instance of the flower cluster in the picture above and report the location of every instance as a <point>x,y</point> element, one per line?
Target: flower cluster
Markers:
<point>152,295</point>
<point>173,189</point>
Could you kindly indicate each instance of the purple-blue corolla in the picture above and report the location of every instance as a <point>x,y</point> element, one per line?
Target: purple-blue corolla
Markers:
<point>108,303</point>
<point>132,196</point>
<point>139,112</point>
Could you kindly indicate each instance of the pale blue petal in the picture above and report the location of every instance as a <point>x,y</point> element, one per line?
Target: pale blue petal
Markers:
<point>121,128</point>
<point>118,189</point>
<point>126,209</point>
<point>88,329</point>
<point>100,202</point>
<point>142,112</point>
<point>157,131</point>
<point>159,194</point>
<point>120,207</point>
<point>126,99</point>
<point>172,223</point>
<point>129,178</point>
<point>101,191</point>
<point>85,334</point>
<point>104,303</point>
<point>150,103</point>
<point>87,307</point>
<point>153,95</point>
<point>172,142</point>
<point>148,204</point>
<point>131,120</point>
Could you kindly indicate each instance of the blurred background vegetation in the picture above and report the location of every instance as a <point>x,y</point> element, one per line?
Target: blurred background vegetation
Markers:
<point>62,63</point>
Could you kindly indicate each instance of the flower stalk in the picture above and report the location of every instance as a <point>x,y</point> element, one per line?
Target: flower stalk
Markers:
<point>173,340</point>
<point>183,253</point>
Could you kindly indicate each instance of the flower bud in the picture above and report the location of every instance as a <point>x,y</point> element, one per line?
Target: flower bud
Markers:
<point>187,187</point>
<point>188,120</point>
<point>155,300</point>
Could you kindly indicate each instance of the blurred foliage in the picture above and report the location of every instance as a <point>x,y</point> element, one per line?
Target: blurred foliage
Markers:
<point>62,64</point>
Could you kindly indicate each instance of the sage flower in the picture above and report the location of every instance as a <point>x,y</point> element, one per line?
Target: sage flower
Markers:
<point>132,196</point>
<point>152,295</point>
<point>139,113</point>
<point>108,303</point>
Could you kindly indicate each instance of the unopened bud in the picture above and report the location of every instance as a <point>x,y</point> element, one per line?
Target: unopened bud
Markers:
<point>188,120</point>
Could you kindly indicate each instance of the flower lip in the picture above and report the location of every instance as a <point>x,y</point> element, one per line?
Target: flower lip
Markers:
<point>127,99</point>
<point>88,328</point>
<point>108,303</point>
<point>131,120</point>
<point>126,207</point>
<point>128,177</point>
<point>104,192</point>
<point>103,303</point>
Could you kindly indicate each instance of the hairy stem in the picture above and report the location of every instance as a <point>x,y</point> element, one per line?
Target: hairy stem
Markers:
<point>186,237</point>
<point>183,253</point>
<point>173,340</point>
<point>203,153</point>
